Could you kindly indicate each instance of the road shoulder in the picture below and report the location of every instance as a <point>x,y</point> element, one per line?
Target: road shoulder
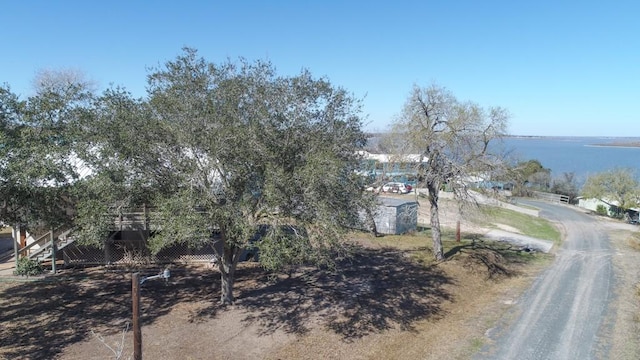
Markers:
<point>625,311</point>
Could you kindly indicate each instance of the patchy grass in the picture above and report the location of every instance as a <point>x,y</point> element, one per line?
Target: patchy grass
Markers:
<point>494,257</point>
<point>526,224</point>
<point>625,339</point>
<point>634,241</point>
<point>476,344</point>
<point>485,277</point>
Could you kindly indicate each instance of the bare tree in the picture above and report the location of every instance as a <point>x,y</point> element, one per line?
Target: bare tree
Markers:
<point>566,185</point>
<point>453,139</point>
<point>62,81</point>
<point>400,152</point>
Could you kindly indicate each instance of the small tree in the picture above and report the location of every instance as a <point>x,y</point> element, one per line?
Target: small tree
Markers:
<point>619,186</point>
<point>453,138</point>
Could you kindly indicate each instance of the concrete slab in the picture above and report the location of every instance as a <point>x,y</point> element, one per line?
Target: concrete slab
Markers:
<point>521,240</point>
<point>6,267</point>
<point>6,271</point>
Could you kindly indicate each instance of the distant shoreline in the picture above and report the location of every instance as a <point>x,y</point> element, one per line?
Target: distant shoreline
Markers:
<point>621,144</point>
<point>628,142</point>
<point>577,154</point>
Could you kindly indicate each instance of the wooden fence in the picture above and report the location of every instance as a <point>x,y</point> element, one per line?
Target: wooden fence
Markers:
<point>557,198</point>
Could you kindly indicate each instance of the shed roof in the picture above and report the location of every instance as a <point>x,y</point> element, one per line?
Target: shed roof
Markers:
<point>394,202</point>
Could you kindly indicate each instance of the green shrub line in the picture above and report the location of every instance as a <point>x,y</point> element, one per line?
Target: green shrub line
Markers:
<point>28,267</point>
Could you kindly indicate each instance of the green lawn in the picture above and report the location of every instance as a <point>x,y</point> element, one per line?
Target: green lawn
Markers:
<point>528,225</point>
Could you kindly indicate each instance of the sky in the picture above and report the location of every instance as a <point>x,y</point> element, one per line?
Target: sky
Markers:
<point>564,68</point>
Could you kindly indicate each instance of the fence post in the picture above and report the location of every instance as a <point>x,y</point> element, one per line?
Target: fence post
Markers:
<point>16,239</point>
<point>53,251</point>
<point>107,250</point>
<point>145,217</point>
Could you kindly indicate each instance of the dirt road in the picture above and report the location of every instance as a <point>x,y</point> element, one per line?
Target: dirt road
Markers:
<point>564,315</point>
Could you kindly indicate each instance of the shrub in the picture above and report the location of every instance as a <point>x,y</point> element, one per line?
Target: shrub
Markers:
<point>28,267</point>
<point>602,210</point>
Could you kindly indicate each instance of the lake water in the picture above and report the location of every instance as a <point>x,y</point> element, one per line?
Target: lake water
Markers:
<point>575,154</point>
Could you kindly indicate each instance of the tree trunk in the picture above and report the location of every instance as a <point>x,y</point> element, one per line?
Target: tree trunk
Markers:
<point>371,222</point>
<point>226,276</point>
<point>227,267</point>
<point>434,190</point>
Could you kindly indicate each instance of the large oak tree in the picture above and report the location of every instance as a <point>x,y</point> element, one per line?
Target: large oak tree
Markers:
<point>223,150</point>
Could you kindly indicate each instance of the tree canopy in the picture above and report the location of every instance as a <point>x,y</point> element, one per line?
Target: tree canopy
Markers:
<point>529,175</point>
<point>222,150</point>
<point>37,165</point>
<point>619,185</point>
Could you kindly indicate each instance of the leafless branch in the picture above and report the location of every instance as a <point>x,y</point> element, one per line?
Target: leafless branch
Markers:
<point>118,351</point>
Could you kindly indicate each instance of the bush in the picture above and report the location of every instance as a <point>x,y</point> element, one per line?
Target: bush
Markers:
<point>602,210</point>
<point>28,267</point>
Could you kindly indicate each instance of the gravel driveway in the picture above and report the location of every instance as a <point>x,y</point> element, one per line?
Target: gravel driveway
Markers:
<point>564,314</point>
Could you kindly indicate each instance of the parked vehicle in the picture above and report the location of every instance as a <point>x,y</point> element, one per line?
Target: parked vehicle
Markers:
<point>396,187</point>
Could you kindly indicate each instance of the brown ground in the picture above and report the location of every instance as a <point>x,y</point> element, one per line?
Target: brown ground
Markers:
<point>382,305</point>
<point>385,303</point>
<point>625,329</point>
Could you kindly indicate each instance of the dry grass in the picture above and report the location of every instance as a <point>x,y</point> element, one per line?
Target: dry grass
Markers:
<point>626,332</point>
<point>634,241</point>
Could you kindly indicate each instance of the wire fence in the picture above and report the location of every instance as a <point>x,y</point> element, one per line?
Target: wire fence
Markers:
<point>135,252</point>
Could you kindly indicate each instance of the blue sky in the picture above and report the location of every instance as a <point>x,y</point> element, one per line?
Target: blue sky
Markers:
<point>559,67</point>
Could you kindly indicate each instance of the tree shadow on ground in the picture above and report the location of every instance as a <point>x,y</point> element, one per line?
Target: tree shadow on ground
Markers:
<point>39,319</point>
<point>376,290</point>
<point>496,258</point>
<point>373,291</point>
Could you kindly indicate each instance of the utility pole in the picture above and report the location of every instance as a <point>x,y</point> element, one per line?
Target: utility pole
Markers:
<point>136,282</point>
<point>137,331</point>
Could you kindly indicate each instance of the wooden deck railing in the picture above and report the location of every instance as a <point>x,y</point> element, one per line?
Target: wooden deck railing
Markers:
<point>40,241</point>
